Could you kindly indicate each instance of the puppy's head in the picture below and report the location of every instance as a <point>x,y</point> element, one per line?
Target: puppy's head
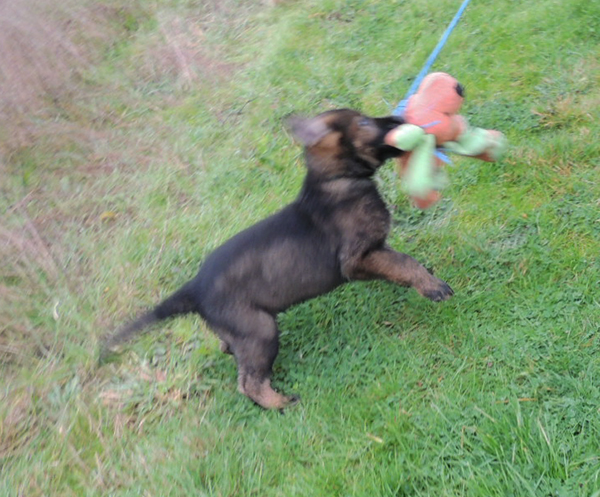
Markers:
<point>345,142</point>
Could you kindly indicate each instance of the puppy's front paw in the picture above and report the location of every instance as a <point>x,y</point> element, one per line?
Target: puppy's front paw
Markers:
<point>437,291</point>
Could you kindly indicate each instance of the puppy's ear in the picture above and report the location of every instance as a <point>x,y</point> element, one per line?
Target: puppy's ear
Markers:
<point>308,131</point>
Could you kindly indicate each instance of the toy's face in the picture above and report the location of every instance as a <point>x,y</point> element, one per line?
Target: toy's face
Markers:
<point>345,142</point>
<point>440,92</point>
<point>460,89</point>
<point>435,107</point>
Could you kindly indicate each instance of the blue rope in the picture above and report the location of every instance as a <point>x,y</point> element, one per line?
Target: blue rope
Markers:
<point>436,51</point>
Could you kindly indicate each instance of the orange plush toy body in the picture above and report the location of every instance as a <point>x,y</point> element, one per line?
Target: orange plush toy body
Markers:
<point>432,121</point>
<point>435,106</point>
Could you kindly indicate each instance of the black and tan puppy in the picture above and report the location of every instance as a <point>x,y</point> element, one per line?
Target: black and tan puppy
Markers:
<point>334,232</point>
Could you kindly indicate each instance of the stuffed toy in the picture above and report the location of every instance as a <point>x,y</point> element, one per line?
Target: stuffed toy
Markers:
<point>434,125</point>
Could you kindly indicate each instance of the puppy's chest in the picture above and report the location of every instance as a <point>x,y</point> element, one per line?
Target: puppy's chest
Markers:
<point>366,217</point>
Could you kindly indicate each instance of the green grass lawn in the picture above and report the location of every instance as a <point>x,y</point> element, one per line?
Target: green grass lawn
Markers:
<point>155,131</point>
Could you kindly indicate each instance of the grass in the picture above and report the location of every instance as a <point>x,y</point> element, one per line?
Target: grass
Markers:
<point>152,131</point>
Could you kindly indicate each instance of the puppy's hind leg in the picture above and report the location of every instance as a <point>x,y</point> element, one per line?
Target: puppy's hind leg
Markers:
<point>255,345</point>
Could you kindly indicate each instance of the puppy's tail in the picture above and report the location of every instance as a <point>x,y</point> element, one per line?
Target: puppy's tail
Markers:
<point>181,302</point>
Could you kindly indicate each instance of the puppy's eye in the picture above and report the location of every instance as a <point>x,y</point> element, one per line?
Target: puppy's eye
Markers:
<point>364,121</point>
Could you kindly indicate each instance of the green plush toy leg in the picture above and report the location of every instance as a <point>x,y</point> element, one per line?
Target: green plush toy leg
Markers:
<point>422,174</point>
<point>476,141</point>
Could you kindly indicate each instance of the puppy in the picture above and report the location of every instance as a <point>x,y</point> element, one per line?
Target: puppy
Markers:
<point>334,232</point>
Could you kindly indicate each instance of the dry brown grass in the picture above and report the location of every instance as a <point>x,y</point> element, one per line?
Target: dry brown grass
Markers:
<point>63,124</point>
<point>78,120</point>
<point>45,49</point>
<point>182,53</point>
